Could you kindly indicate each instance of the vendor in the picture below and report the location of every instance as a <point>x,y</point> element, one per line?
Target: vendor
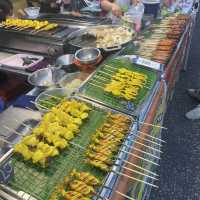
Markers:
<point>116,7</point>
<point>54,6</point>
<point>151,7</point>
<point>6,9</point>
<point>49,6</point>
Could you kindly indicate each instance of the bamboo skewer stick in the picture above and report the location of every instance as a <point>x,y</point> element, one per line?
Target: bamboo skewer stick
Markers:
<point>120,159</point>
<point>153,125</point>
<point>135,179</point>
<point>135,135</point>
<point>82,147</point>
<point>139,167</point>
<point>6,141</point>
<point>9,129</point>
<point>144,159</point>
<point>136,121</point>
<point>135,171</point>
<point>54,96</point>
<point>144,152</point>
<point>111,77</point>
<point>114,69</point>
<point>150,141</point>
<point>25,125</point>
<point>147,153</point>
<point>46,101</point>
<point>154,149</point>
<point>108,83</point>
<point>155,138</point>
<point>44,107</point>
<point>98,82</point>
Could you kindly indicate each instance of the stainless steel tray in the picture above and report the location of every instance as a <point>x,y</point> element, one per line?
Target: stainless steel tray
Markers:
<point>128,107</point>
<point>107,182</point>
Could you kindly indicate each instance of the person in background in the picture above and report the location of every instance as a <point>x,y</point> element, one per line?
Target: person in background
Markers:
<point>151,7</point>
<point>6,9</point>
<point>194,114</point>
<point>55,6</point>
<point>49,6</point>
<point>116,7</point>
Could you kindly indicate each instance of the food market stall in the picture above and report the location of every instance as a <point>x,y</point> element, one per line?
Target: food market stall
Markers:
<point>103,142</point>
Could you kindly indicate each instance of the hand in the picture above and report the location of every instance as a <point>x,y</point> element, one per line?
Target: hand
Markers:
<point>135,2</point>
<point>116,10</point>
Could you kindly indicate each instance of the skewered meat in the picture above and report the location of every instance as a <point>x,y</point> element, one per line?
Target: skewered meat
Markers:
<point>126,84</point>
<point>54,132</point>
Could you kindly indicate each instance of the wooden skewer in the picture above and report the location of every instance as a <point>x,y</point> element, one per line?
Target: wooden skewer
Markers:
<point>95,85</point>
<point>135,171</point>
<point>135,179</point>
<point>13,131</point>
<point>152,125</point>
<point>46,101</point>
<point>140,156</point>
<point>144,152</point>
<point>54,96</point>
<point>154,149</point>
<point>102,72</point>
<point>148,146</point>
<point>111,137</point>
<point>155,138</point>
<point>6,141</point>
<point>97,81</point>
<point>25,125</point>
<point>139,167</point>
<point>123,160</point>
<point>140,173</point>
<point>135,141</point>
<point>114,69</point>
<point>144,159</point>
<point>44,107</point>
<point>124,195</point>
<point>147,140</point>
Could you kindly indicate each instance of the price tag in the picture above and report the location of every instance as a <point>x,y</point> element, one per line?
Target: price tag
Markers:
<point>148,63</point>
<point>145,62</point>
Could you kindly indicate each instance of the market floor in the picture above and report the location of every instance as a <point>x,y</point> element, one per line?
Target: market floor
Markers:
<point>180,164</point>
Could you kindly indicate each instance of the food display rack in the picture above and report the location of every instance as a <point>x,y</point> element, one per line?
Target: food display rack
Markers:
<point>30,178</point>
<point>150,113</point>
<point>155,115</point>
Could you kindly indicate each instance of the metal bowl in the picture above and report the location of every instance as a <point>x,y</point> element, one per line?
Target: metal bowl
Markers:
<point>66,62</point>
<point>88,55</point>
<point>52,92</point>
<point>47,77</point>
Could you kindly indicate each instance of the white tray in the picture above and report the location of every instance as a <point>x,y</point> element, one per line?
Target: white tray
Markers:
<point>16,61</point>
